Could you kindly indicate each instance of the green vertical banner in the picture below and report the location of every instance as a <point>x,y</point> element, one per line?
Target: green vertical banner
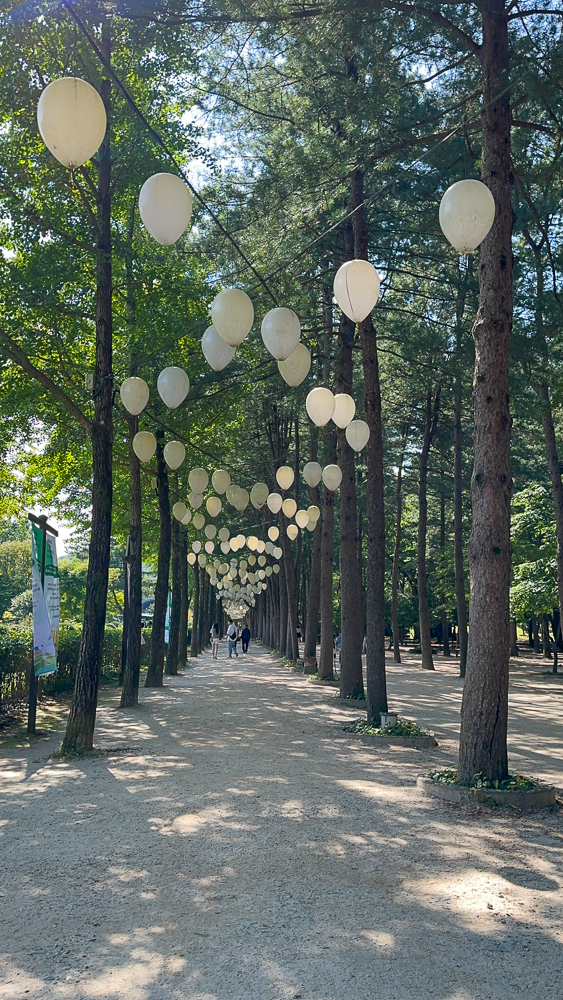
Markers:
<point>167,621</point>
<point>45,603</point>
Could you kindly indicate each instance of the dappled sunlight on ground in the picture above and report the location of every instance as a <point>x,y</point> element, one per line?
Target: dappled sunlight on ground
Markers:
<point>233,843</point>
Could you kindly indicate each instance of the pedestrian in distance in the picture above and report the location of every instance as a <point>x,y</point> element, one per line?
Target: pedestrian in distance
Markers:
<point>245,637</point>
<point>214,640</point>
<point>231,639</point>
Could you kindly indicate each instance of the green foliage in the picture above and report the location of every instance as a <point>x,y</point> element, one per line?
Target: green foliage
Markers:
<point>514,782</point>
<point>15,571</point>
<point>534,586</point>
<point>403,728</point>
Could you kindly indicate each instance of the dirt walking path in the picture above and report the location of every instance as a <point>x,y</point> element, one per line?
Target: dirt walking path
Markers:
<point>233,843</point>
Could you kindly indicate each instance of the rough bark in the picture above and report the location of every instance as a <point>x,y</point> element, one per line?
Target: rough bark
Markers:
<point>282,617</point>
<point>156,664</point>
<point>484,712</point>
<point>326,656</point>
<point>376,689</point>
<point>554,467</point>
<point>444,614</point>
<point>431,420</point>
<point>171,667</point>
<point>79,735</point>
<point>184,604</point>
<point>195,612</point>
<point>130,690</point>
<point>396,555</point>
<point>461,601</point>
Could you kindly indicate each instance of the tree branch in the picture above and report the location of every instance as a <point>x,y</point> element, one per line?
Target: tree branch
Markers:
<point>14,352</point>
<point>443,22</point>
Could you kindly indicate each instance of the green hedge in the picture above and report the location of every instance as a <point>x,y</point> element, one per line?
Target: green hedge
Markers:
<point>15,659</point>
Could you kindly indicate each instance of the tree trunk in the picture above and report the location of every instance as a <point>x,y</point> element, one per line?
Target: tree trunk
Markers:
<point>554,467</point>
<point>484,712</point>
<point>376,692</point>
<point>130,690</point>
<point>461,602</point>
<point>536,632</point>
<point>444,613</point>
<point>326,656</point>
<point>282,609</point>
<point>546,644</point>
<point>195,611</point>
<point>513,638</point>
<point>396,555</point>
<point>184,604</point>
<point>79,733</point>
<point>156,664</point>
<point>432,410</point>
<point>171,667</point>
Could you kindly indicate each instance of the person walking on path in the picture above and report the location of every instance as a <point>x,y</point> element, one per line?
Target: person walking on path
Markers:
<point>215,640</point>
<point>231,639</point>
<point>245,638</point>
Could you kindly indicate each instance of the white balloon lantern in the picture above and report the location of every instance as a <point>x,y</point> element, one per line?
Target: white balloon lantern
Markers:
<point>195,500</point>
<point>242,499</point>
<point>467,212</point>
<point>191,558</point>
<point>356,289</point>
<point>213,506</point>
<point>285,476</point>
<point>301,518</point>
<point>320,405</point>
<point>202,559</point>
<point>179,510</point>
<point>210,531</point>
<point>276,569</point>
<point>209,548</point>
<point>196,546</point>
<point>311,525</point>
<point>187,517</point>
<point>313,513</point>
<point>199,521</point>
<point>281,331</point>
<point>274,502</point>
<point>134,393</point>
<point>312,474</point>
<point>173,386</point>
<point>198,480</point>
<point>224,534</point>
<point>216,351</point>
<point>72,120</point>
<point>165,206</point>
<point>259,494</point>
<point>278,552</point>
<point>273,533</point>
<point>357,434</point>
<point>220,481</point>
<point>344,409</point>
<point>174,454</point>
<point>289,507</point>
<point>144,445</point>
<point>332,477</point>
<point>292,531</point>
<point>232,314</point>
<point>296,367</point>
<point>232,493</point>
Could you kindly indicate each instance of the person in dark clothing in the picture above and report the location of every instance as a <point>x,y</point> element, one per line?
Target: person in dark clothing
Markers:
<point>245,638</point>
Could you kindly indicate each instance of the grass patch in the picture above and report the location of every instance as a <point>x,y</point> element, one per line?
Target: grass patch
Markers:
<point>333,681</point>
<point>514,782</point>
<point>403,728</point>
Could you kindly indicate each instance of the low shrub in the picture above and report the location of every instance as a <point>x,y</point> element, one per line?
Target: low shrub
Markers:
<point>514,782</point>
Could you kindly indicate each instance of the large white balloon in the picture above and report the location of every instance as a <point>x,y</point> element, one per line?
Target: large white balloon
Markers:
<point>296,367</point>
<point>332,477</point>
<point>357,434</point>
<point>174,454</point>
<point>274,502</point>
<point>179,510</point>
<point>198,480</point>
<point>232,314</point>
<point>467,212</point>
<point>289,507</point>
<point>312,474</point>
<point>302,518</point>
<point>313,513</point>
<point>144,445</point>
<point>216,351</point>
<point>173,386</point>
<point>165,206</point>
<point>285,476</point>
<point>213,506</point>
<point>199,521</point>
<point>344,409</point>
<point>273,533</point>
<point>356,289</point>
<point>72,120</point>
<point>195,499</point>
<point>134,393</point>
<point>187,517</point>
<point>281,331</point>
<point>259,494</point>
<point>220,480</point>
<point>242,499</point>
<point>320,405</point>
<point>292,531</point>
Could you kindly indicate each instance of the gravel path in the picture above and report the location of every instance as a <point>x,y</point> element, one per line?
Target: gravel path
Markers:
<point>233,843</point>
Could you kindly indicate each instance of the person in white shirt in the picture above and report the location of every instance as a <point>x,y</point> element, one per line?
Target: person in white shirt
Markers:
<point>214,640</point>
<point>231,639</point>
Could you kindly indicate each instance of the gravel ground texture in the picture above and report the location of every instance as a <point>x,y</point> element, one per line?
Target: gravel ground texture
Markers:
<point>231,842</point>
